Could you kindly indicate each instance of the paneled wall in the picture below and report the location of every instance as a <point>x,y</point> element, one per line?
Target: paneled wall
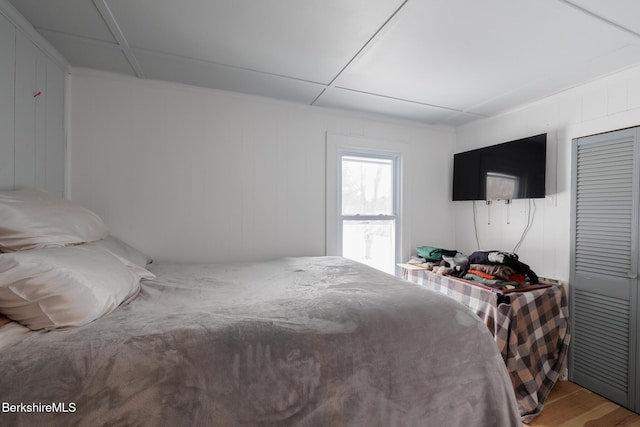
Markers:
<point>32,87</point>
<point>7,106</point>
<point>190,174</point>
<point>603,105</point>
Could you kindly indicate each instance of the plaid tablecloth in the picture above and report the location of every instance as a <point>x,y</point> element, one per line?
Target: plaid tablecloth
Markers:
<point>530,328</point>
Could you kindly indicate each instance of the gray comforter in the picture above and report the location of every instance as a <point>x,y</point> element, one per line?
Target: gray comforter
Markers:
<point>295,342</point>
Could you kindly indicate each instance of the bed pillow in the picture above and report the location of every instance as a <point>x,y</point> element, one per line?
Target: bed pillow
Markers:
<point>123,250</point>
<point>56,288</point>
<point>31,219</point>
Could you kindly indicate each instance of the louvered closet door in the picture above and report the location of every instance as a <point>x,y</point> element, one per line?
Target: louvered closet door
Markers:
<point>604,265</point>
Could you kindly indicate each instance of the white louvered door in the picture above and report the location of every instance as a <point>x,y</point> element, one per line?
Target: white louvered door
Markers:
<point>605,265</point>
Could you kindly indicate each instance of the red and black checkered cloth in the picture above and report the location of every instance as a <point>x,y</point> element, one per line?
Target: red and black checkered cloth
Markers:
<point>530,328</point>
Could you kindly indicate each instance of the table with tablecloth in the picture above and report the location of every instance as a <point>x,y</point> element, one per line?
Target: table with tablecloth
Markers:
<point>531,329</point>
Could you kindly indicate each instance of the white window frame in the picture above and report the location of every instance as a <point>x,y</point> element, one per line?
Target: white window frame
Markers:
<point>395,216</point>
<point>338,144</point>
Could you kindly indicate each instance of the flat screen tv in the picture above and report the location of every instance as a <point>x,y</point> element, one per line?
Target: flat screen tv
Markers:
<point>512,170</point>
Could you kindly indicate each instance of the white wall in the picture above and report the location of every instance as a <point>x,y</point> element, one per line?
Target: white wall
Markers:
<point>191,174</point>
<point>604,105</point>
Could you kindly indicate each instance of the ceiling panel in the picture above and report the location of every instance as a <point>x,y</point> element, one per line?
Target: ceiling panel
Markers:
<point>459,54</point>
<point>358,101</point>
<point>310,41</point>
<point>458,119</point>
<point>625,13</point>
<point>561,78</point>
<point>434,61</point>
<point>78,17</point>
<point>91,54</point>
<point>200,73</point>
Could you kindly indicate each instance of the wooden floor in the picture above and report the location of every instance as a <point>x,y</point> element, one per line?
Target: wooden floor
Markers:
<point>570,405</point>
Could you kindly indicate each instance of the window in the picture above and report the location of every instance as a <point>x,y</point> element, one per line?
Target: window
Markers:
<point>368,207</point>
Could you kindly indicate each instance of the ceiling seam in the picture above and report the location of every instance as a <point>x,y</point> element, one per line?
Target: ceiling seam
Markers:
<point>449,109</point>
<point>359,52</point>
<point>82,39</point>
<point>220,64</point>
<point>117,33</point>
<point>601,18</point>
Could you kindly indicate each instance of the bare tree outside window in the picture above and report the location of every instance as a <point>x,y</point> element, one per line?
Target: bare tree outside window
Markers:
<point>368,214</point>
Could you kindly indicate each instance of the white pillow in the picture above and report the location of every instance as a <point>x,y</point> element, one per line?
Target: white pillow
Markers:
<point>123,250</point>
<point>57,288</point>
<point>31,219</point>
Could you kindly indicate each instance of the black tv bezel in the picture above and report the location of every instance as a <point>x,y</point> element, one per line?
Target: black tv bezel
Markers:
<point>480,193</point>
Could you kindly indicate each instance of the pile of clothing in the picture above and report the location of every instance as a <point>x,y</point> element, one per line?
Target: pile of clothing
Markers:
<point>497,269</point>
<point>440,261</point>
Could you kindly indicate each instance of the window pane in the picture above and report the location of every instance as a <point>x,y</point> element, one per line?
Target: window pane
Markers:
<point>367,185</point>
<point>370,242</point>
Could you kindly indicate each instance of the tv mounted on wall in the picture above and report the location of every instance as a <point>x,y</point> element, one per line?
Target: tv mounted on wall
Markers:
<point>512,170</point>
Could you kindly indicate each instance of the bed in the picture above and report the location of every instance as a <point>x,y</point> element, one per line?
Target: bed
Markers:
<point>306,341</point>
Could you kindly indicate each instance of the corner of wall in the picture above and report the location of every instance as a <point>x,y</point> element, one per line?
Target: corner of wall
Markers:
<point>67,136</point>
<point>16,18</point>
